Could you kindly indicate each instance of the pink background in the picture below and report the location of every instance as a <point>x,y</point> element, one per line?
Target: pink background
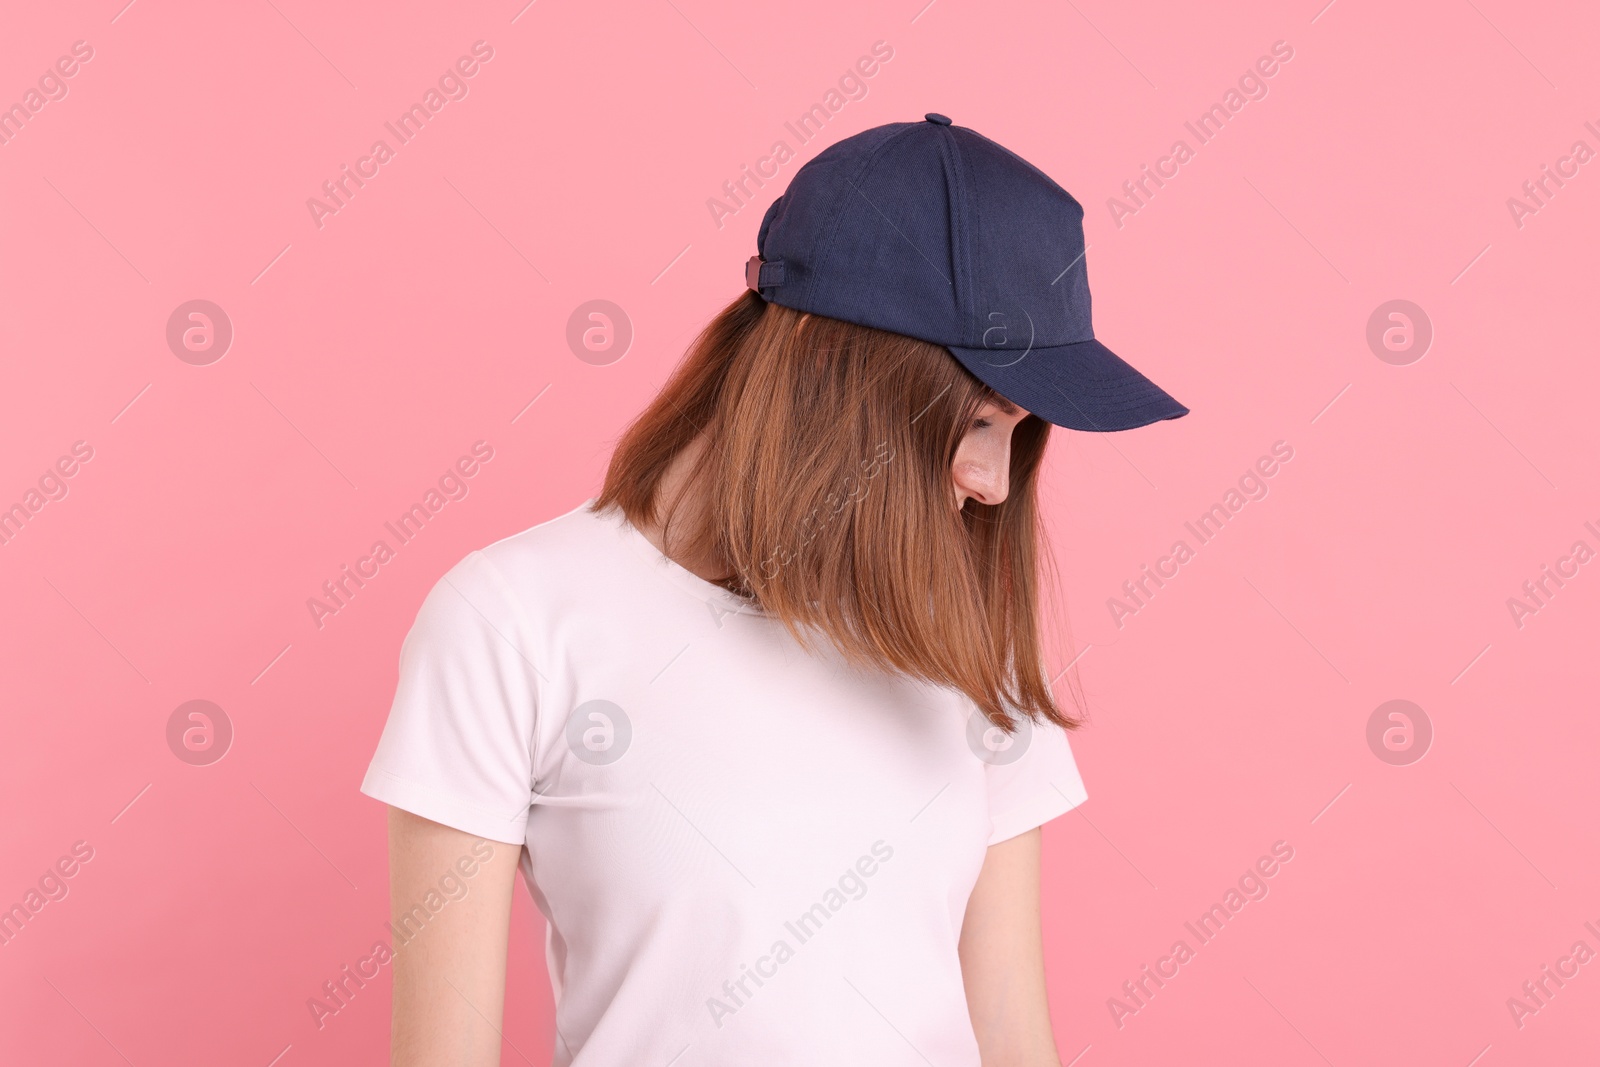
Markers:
<point>1228,714</point>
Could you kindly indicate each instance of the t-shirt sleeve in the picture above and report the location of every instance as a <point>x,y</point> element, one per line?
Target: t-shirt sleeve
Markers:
<point>457,747</point>
<point>1035,787</point>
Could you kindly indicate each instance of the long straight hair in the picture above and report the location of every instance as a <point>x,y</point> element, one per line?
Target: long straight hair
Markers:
<point>826,482</point>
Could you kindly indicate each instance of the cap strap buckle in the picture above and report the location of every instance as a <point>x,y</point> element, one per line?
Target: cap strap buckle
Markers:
<point>759,274</point>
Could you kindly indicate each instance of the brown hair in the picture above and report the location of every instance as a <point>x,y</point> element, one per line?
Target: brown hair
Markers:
<point>828,492</point>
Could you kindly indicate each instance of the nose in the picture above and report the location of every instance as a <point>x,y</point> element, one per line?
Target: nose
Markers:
<point>982,479</point>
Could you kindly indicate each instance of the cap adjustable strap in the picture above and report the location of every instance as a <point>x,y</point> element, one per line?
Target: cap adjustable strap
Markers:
<point>759,274</point>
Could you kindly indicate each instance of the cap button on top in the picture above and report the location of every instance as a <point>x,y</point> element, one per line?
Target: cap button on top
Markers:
<point>937,119</point>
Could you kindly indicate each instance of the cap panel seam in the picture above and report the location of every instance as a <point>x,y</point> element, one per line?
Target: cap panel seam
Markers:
<point>850,183</point>
<point>965,299</point>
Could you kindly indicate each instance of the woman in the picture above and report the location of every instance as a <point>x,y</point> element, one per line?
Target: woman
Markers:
<point>766,723</point>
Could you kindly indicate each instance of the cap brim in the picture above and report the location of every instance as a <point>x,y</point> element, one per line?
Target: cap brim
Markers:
<point>1083,386</point>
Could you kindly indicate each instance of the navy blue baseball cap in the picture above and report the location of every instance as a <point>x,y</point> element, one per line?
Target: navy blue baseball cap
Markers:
<point>933,231</point>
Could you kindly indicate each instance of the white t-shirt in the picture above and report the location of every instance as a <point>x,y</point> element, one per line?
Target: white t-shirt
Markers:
<point>745,854</point>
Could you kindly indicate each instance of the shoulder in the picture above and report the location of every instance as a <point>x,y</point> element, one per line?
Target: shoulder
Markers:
<point>537,572</point>
<point>557,555</point>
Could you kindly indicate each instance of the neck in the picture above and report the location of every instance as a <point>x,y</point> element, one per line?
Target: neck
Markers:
<point>685,502</point>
